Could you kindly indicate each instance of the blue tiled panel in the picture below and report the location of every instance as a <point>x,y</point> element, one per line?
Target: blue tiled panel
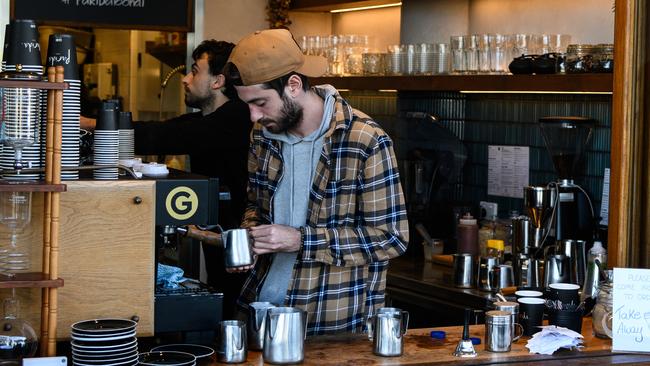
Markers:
<point>480,120</point>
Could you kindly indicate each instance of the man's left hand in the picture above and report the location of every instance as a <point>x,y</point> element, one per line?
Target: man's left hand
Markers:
<point>275,238</point>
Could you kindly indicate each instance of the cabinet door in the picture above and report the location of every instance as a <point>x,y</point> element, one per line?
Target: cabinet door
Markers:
<point>106,254</point>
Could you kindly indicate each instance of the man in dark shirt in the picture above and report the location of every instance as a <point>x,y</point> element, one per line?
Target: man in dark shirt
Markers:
<point>216,139</point>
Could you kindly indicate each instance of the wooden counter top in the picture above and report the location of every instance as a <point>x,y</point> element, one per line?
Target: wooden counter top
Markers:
<point>420,349</point>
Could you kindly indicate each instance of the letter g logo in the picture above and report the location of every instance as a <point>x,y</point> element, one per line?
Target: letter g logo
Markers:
<point>181,203</point>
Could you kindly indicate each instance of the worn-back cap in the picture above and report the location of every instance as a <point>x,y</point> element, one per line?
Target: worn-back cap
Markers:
<point>269,54</point>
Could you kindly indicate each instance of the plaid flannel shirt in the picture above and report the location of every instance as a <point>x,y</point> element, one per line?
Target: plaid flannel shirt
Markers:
<point>356,222</point>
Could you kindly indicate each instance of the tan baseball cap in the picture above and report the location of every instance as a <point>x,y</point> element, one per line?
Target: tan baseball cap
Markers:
<point>269,54</point>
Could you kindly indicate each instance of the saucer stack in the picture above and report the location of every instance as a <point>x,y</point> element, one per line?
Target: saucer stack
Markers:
<point>104,342</point>
<point>22,48</point>
<point>61,51</point>
<point>106,142</point>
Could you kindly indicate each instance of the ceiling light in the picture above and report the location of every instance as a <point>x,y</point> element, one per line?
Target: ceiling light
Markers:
<point>366,7</point>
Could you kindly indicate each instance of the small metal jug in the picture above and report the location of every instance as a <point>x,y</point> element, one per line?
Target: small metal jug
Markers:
<point>284,336</point>
<point>386,329</point>
<point>232,345</point>
<point>237,250</point>
<point>256,324</point>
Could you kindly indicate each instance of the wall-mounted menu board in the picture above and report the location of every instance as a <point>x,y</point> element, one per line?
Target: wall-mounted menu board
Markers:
<point>172,15</point>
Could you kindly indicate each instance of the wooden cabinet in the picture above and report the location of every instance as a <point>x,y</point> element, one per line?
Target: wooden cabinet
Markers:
<point>106,256</point>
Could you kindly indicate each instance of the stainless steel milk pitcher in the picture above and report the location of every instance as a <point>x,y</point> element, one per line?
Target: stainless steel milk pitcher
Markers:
<point>237,249</point>
<point>256,324</point>
<point>284,337</point>
<point>386,329</point>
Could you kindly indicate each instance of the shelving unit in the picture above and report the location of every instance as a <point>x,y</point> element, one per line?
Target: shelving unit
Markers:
<point>567,83</point>
<point>47,279</point>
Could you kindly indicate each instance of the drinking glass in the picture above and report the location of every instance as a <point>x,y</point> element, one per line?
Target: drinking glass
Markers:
<point>471,53</point>
<point>15,213</point>
<point>457,44</point>
<point>499,56</point>
<point>484,53</point>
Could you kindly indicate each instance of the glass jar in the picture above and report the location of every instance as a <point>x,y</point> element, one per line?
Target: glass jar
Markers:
<point>602,314</point>
<point>17,338</point>
<point>604,59</point>
<point>580,58</point>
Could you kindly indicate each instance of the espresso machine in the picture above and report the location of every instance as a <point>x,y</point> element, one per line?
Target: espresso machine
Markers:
<point>185,199</point>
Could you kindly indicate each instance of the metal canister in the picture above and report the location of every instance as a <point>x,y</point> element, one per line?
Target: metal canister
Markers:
<point>463,270</point>
<point>513,309</point>
<point>498,334</point>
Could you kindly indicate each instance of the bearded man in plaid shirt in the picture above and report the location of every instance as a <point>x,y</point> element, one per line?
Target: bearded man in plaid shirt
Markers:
<point>325,209</point>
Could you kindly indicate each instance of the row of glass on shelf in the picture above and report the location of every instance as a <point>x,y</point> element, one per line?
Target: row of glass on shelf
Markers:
<point>350,55</point>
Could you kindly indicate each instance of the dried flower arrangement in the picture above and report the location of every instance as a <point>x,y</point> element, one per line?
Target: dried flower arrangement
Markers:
<point>277,12</point>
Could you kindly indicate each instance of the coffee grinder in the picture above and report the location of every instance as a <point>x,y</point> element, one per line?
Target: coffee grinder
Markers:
<point>566,140</point>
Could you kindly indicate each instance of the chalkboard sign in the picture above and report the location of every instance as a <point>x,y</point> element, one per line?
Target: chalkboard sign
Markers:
<point>172,15</point>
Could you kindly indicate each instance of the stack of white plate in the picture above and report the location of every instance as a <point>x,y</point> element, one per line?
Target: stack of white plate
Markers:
<point>104,342</point>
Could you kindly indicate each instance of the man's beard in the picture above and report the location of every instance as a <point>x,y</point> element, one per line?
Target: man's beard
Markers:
<point>290,116</point>
<point>194,101</point>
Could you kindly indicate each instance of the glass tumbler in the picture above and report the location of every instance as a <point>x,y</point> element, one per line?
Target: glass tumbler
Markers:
<point>484,54</point>
<point>499,56</point>
<point>471,54</point>
<point>457,45</point>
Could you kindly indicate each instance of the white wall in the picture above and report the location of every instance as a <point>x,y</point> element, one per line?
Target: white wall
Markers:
<point>587,21</point>
<point>229,20</point>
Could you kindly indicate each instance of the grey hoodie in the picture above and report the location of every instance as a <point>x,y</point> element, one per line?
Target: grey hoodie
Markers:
<point>291,199</point>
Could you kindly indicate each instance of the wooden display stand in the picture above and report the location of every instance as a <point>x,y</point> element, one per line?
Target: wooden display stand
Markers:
<point>48,279</point>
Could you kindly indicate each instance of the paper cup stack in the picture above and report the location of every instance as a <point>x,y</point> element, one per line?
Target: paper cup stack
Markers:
<point>22,48</point>
<point>61,51</point>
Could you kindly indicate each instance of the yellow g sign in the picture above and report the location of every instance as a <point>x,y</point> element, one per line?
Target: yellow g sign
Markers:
<point>181,203</point>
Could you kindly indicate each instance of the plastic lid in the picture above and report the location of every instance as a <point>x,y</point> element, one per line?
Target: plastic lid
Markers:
<point>467,219</point>
<point>597,248</point>
<point>438,334</point>
<point>154,170</point>
<point>475,340</point>
<point>496,244</point>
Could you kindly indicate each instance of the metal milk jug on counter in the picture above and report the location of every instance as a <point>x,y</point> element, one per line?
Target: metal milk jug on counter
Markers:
<point>284,336</point>
<point>257,324</point>
<point>386,330</point>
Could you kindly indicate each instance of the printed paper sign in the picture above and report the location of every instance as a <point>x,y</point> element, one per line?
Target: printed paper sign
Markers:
<point>631,310</point>
<point>508,170</point>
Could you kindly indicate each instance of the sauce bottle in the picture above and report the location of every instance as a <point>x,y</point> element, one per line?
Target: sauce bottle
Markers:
<point>467,234</point>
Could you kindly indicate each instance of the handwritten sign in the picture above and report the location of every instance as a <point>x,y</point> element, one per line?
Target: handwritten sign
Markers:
<point>132,14</point>
<point>631,310</point>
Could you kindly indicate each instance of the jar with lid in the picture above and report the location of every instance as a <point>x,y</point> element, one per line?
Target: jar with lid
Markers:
<point>604,58</point>
<point>580,58</point>
<point>603,310</point>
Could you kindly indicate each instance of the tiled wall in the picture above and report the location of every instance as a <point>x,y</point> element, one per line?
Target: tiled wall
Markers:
<point>480,120</point>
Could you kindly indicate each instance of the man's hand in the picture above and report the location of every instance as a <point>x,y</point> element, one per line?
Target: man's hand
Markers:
<point>275,238</point>
<point>242,268</point>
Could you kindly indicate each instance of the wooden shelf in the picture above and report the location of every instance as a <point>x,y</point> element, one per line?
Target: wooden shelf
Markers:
<point>19,186</point>
<point>29,279</point>
<point>327,5</point>
<point>568,83</point>
<point>32,84</point>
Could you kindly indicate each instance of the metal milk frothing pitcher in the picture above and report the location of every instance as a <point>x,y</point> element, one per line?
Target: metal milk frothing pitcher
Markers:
<point>237,250</point>
<point>256,324</point>
<point>386,329</point>
<point>284,336</point>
